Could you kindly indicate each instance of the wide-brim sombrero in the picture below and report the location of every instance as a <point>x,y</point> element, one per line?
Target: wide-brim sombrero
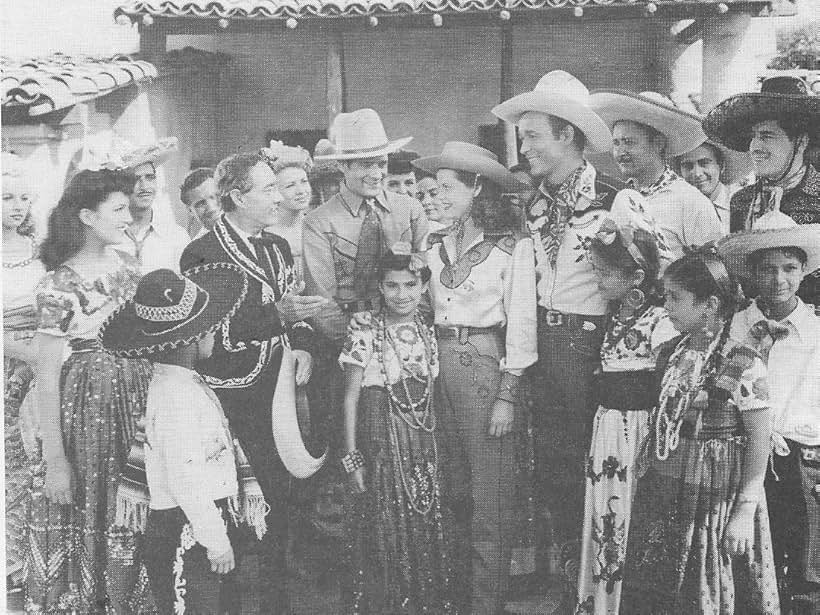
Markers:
<point>213,293</point>
<point>731,121</point>
<point>116,154</point>
<point>682,129</point>
<point>461,156</point>
<point>773,230</point>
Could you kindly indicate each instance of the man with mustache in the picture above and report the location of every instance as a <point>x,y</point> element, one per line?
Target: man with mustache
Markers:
<point>556,125</point>
<point>156,240</point>
<point>647,129</point>
<point>776,126</point>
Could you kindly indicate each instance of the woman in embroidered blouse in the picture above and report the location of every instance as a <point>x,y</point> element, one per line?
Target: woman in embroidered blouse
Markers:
<point>483,296</point>
<point>626,262</point>
<point>83,558</point>
<point>699,540</point>
<point>22,270</point>
<point>400,562</point>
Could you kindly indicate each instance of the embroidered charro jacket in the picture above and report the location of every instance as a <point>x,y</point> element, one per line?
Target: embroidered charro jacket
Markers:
<point>246,342</point>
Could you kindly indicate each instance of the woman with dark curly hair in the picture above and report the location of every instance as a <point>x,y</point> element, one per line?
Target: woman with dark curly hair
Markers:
<point>82,556</point>
<point>483,295</point>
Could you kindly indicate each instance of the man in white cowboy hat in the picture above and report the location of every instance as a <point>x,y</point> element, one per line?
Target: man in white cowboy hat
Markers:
<point>775,126</point>
<point>345,237</point>
<point>775,255</point>
<point>556,125</point>
<point>713,169</point>
<point>647,129</point>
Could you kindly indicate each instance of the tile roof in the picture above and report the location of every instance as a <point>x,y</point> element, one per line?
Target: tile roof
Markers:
<point>43,85</point>
<point>280,9</point>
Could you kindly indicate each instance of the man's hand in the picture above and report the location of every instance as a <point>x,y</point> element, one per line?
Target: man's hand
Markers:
<point>304,366</point>
<point>502,417</point>
<point>224,563</point>
<point>293,308</point>
<point>356,479</point>
<point>59,483</point>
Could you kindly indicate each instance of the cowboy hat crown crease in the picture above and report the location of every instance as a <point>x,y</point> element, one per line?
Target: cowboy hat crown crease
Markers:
<point>461,156</point>
<point>360,134</point>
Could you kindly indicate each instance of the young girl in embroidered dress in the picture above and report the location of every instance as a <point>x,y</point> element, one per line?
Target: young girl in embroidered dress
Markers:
<point>399,558</point>
<point>699,540</point>
<point>626,263</point>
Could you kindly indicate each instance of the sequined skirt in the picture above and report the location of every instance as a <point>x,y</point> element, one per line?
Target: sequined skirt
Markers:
<point>78,561</point>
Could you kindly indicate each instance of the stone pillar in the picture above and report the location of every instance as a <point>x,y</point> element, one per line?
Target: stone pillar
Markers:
<point>684,51</point>
<point>506,90</point>
<point>731,52</point>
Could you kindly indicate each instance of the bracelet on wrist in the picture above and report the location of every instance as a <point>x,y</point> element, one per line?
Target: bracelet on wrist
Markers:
<point>353,461</point>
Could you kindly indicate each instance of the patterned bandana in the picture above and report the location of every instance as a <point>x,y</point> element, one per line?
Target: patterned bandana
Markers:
<point>555,209</point>
<point>667,177</point>
<point>768,196</point>
<point>765,333</point>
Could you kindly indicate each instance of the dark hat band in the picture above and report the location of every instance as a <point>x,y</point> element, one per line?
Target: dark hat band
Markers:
<point>170,313</point>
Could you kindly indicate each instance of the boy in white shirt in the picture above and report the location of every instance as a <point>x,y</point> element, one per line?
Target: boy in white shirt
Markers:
<point>191,458</point>
<point>775,257</point>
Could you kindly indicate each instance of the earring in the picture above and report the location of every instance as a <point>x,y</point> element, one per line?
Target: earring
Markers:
<point>635,298</point>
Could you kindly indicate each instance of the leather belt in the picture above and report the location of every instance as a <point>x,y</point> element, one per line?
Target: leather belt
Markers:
<point>79,344</point>
<point>362,305</point>
<point>463,333</point>
<point>554,318</point>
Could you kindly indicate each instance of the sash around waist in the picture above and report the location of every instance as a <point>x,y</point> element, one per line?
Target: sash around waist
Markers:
<point>626,390</point>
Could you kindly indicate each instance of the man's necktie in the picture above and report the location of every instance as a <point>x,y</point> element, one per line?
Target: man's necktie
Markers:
<point>765,333</point>
<point>368,253</point>
<point>263,258</point>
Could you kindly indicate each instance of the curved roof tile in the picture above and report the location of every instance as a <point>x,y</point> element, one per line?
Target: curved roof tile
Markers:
<point>43,85</point>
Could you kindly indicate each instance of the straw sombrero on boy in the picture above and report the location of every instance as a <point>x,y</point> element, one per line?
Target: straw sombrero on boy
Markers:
<point>170,310</point>
<point>461,156</point>
<point>772,230</point>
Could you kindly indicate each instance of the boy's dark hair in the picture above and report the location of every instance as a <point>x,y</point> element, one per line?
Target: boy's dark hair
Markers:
<point>756,257</point>
<point>400,262</point>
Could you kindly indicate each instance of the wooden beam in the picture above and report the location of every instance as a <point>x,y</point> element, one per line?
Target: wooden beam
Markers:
<point>336,102</point>
<point>506,91</point>
<point>689,34</point>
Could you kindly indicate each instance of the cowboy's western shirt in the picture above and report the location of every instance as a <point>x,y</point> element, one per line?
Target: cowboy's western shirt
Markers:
<point>491,285</point>
<point>189,456</point>
<point>570,286</point>
<point>331,238</point>
<point>794,372</point>
<point>684,214</point>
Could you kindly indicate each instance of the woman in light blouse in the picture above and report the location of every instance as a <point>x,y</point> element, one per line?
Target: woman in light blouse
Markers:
<point>483,296</point>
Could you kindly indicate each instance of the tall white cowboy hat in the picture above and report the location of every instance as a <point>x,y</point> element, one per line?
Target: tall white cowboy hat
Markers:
<point>560,94</point>
<point>682,129</point>
<point>112,152</point>
<point>772,230</point>
<point>461,156</point>
<point>358,135</point>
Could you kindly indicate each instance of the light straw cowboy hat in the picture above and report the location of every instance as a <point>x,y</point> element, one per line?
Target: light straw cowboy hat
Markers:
<point>358,135</point>
<point>682,129</point>
<point>461,156</point>
<point>560,94</point>
<point>731,121</point>
<point>772,230</point>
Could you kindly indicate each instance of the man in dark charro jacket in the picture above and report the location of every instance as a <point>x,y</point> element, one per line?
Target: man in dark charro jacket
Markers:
<point>244,366</point>
<point>556,125</point>
<point>776,126</point>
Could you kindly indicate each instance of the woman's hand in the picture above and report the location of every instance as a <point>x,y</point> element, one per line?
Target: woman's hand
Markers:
<point>59,483</point>
<point>304,366</point>
<point>224,563</point>
<point>738,537</point>
<point>359,321</point>
<point>356,478</point>
<point>502,417</point>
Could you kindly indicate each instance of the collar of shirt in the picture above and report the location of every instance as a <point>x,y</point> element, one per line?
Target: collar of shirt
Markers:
<point>810,184</point>
<point>667,177</point>
<point>246,237</point>
<point>721,197</point>
<point>353,202</point>
<point>801,321</point>
<point>580,183</point>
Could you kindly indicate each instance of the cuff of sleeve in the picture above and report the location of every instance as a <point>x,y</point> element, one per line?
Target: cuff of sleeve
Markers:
<point>210,531</point>
<point>302,337</point>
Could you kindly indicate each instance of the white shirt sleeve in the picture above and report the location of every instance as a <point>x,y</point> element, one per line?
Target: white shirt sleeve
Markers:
<point>520,307</point>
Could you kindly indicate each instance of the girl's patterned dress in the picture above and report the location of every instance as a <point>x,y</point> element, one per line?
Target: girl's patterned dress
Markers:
<point>19,321</point>
<point>80,561</point>
<point>676,562</point>
<point>627,393</point>
<point>399,556</point>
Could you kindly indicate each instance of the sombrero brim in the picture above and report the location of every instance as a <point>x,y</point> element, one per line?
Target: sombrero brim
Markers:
<point>736,248</point>
<point>156,153</point>
<point>596,132</point>
<point>682,130</point>
<point>494,171</point>
<point>731,121</point>
<point>387,148</point>
<point>124,333</point>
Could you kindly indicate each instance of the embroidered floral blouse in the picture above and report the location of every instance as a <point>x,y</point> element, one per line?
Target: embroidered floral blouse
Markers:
<point>70,306</point>
<point>361,349</point>
<point>491,285</point>
<point>634,347</point>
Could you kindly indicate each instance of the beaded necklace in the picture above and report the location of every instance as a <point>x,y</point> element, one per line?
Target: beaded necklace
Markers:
<point>421,486</point>
<point>26,261</point>
<point>679,389</point>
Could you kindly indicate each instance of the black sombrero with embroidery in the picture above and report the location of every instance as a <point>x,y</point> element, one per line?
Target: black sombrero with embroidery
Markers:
<point>731,121</point>
<point>170,310</point>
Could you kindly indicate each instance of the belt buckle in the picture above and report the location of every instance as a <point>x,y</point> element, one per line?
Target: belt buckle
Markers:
<point>554,318</point>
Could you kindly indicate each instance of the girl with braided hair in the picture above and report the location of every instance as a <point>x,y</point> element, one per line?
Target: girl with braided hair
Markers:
<point>699,540</point>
